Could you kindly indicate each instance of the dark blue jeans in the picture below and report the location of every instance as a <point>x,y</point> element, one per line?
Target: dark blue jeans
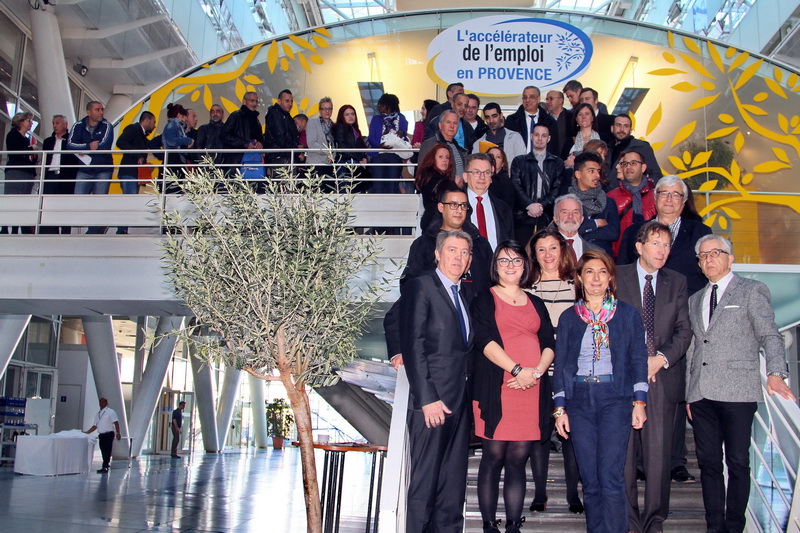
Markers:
<point>600,425</point>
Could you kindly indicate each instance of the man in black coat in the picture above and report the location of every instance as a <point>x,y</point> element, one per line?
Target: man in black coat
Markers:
<point>604,120</point>
<point>450,93</point>
<point>62,166</point>
<point>436,339</point>
<point>465,134</point>
<point>554,103</point>
<point>281,129</point>
<point>531,111</point>
<point>133,137</point>
<point>625,142</point>
<point>208,135</point>
<point>242,130</point>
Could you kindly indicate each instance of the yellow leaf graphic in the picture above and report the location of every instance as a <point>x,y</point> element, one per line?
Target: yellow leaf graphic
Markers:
<point>735,171</point>
<point>777,74</point>
<point>229,106</point>
<point>760,97</point>
<point>240,90</point>
<point>301,42</point>
<point>725,118</point>
<point>304,103</point>
<point>669,58</point>
<point>313,110</point>
<point>796,130</point>
<point>715,57</point>
<point>783,123</point>
<point>316,59</point>
<point>657,146</point>
<point>710,220</point>
<point>738,142</point>
<point>287,50</point>
<point>739,61</point>
<point>774,87</point>
<point>324,32</point>
<point>795,89</point>
<point>748,73</point>
<point>731,213</point>
<point>252,78</point>
<point>795,121</point>
<point>250,88</point>
<point>655,118</point>
<point>701,159</point>
<point>754,110</point>
<point>224,58</point>
<point>747,178</point>
<point>284,64</point>
<point>272,56</point>
<point>697,66</point>
<point>780,154</point>
<point>722,132</point>
<point>729,52</point>
<point>708,86</point>
<point>704,101</point>
<point>792,79</point>
<point>208,97</point>
<point>687,157</point>
<point>707,186</point>
<point>677,162</point>
<point>723,223</point>
<point>770,166</point>
<point>691,45</point>
<point>195,95</point>
<point>319,41</point>
<point>187,88</point>
<point>666,72</point>
<point>684,86</point>
<point>303,61</point>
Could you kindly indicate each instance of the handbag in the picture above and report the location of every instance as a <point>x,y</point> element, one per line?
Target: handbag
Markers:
<point>253,166</point>
<point>401,144</point>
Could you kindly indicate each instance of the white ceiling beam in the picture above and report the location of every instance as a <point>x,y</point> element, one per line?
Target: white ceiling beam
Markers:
<point>104,33</point>
<point>107,62</point>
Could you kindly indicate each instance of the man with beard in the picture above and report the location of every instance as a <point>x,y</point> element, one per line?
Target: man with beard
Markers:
<point>635,195</point>
<point>623,141</point>
<point>281,131</point>
<point>509,141</point>
<point>208,135</point>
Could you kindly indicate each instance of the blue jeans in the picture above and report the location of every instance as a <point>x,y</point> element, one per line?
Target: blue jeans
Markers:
<point>600,426</point>
<point>92,182</point>
<point>129,184</point>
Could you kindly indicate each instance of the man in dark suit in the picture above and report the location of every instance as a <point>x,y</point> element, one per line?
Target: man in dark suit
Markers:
<point>530,114</point>
<point>568,217</point>
<point>436,339</point>
<point>732,320</point>
<point>133,137</point>
<point>62,166</point>
<point>564,122</point>
<point>648,286</point>
<point>490,215</point>
<point>671,197</point>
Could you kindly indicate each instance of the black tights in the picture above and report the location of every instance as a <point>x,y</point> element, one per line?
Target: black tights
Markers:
<point>498,454</point>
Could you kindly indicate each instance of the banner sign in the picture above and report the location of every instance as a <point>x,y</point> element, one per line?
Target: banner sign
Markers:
<point>501,55</point>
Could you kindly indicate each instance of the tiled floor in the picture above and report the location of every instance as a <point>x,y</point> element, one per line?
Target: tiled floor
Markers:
<point>236,491</point>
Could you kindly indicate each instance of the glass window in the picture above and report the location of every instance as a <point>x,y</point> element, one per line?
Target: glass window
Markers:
<point>40,342</point>
<point>10,51</point>
<point>32,384</point>
<point>75,92</point>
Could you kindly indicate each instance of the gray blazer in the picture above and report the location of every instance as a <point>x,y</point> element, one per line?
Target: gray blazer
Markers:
<point>723,362</point>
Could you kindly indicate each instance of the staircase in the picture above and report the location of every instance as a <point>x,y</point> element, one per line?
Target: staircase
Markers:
<point>686,500</point>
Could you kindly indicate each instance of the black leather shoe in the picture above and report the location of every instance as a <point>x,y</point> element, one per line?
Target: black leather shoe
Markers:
<point>538,507</point>
<point>576,508</point>
<point>103,471</point>
<point>681,475</point>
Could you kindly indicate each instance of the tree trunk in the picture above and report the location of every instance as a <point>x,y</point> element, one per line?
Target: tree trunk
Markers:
<point>298,398</point>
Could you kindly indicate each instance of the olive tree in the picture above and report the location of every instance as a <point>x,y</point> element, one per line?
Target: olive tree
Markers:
<point>276,277</point>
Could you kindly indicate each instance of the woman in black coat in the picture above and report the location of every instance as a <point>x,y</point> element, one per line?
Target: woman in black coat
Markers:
<point>350,149</point>
<point>20,168</point>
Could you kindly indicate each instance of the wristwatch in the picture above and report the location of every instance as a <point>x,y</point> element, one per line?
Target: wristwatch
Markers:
<point>782,375</point>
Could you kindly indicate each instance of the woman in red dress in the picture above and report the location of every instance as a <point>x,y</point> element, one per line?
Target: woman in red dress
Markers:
<point>515,337</point>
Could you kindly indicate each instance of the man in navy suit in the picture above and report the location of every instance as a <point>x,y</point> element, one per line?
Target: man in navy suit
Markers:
<point>436,339</point>
<point>668,336</point>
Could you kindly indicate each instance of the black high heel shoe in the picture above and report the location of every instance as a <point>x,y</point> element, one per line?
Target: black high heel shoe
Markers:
<point>538,507</point>
<point>576,508</point>
<point>513,527</point>
<point>490,526</point>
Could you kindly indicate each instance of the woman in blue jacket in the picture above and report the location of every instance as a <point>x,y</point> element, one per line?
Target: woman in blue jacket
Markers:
<point>600,387</point>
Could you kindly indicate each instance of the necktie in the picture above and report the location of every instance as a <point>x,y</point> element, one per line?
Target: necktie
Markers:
<point>648,312</point>
<point>713,303</point>
<point>454,290</point>
<point>530,133</point>
<point>572,250</point>
<point>481,214</point>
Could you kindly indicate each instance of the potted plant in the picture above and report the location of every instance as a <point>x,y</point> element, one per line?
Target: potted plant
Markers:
<point>279,421</point>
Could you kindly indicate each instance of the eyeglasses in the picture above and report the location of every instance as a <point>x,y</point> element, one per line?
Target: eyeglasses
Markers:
<point>326,109</point>
<point>702,256</point>
<point>504,261</point>
<point>668,194</point>
<point>454,206</point>
<point>477,173</point>
<point>625,164</point>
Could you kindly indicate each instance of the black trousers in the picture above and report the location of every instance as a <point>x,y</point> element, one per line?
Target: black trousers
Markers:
<point>176,440</point>
<point>728,424</point>
<point>106,443</point>
<point>438,482</point>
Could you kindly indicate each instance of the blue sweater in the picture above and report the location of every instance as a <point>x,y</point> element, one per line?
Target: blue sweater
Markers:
<point>80,137</point>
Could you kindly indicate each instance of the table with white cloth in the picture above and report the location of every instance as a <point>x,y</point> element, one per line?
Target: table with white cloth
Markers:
<point>67,452</point>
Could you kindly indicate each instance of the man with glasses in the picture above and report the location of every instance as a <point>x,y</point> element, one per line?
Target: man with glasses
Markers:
<point>635,195</point>
<point>623,141</point>
<point>732,320</point>
<point>490,215</point>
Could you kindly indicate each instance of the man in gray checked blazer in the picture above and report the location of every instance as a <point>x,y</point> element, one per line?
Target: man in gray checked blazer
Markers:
<point>731,319</point>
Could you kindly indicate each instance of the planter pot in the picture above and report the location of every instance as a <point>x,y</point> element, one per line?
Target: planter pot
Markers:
<point>277,443</point>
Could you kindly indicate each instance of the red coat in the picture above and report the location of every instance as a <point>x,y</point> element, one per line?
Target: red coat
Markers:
<point>624,200</point>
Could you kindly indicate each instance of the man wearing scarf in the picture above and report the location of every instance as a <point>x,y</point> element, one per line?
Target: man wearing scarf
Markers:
<point>600,216</point>
<point>635,196</point>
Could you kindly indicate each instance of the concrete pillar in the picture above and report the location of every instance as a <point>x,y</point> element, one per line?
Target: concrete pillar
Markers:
<point>204,392</point>
<point>259,409</point>
<point>102,349</point>
<point>116,106</point>
<point>227,400</point>
<point>11,329</point>
<point>51,69</point>
<point>153,378</point>
<point>138,358</point>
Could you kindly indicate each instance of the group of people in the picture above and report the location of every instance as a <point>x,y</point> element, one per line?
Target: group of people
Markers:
<point>591,302</point>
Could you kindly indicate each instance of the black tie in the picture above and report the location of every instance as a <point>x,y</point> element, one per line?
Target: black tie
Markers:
<point>530,133</point>
<point>461,322</point>
<point>649,309</point>
<point>713,303</point>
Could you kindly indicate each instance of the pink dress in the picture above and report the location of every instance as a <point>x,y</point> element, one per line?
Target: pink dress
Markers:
<point>518,327</point>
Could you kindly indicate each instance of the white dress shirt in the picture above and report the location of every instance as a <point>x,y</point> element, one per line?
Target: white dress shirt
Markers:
<point>722,284</point>
<point>491,226</point>
<point>104,420</point>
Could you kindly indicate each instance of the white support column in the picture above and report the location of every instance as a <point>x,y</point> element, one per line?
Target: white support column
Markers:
<point>204,392</point>
<point>259,409</point>
<point>51,68</point>
<point>227,400</point>
<point>117,105</point>
<point>11,329</point>
<point>102,349</point>
<point>152,379</point>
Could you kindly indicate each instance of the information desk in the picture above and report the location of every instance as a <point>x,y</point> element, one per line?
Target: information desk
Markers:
<point>332,474</point>
<point>53,455</point>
